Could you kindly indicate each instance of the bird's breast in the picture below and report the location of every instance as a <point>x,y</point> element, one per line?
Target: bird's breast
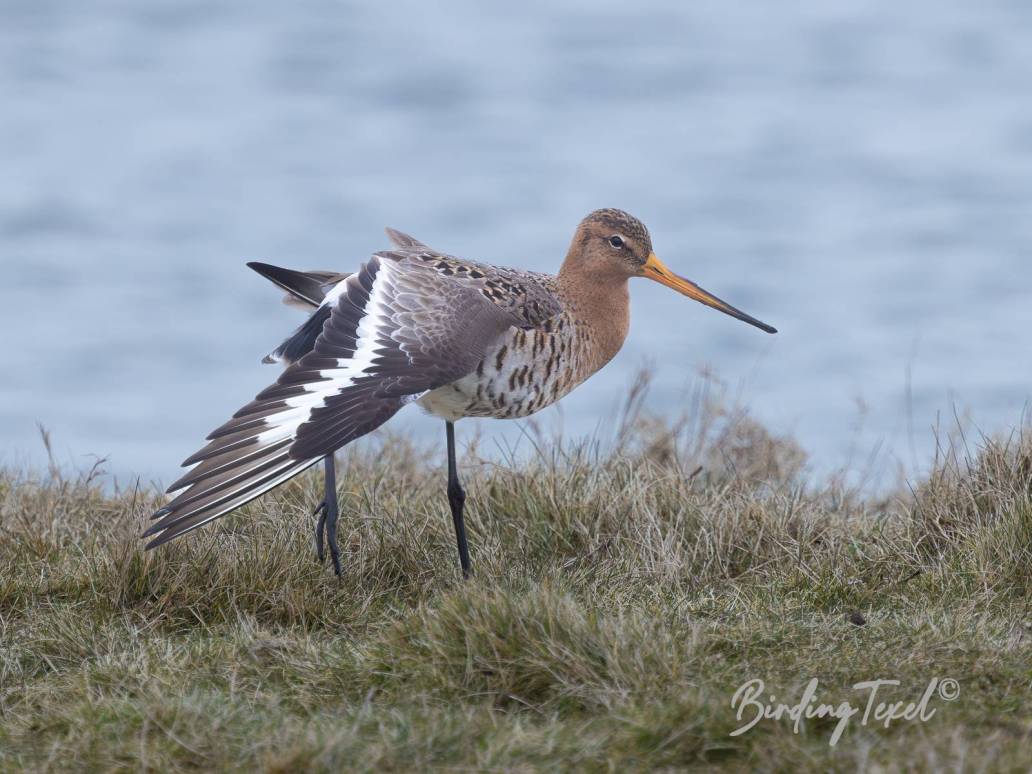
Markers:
<point>526,371</point>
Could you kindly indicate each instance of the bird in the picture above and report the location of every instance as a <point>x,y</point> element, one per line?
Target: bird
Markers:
<point>459,338</point>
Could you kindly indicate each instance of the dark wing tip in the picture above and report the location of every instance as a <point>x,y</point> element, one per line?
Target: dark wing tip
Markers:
<point>158,541</point>
<point>306,286</point>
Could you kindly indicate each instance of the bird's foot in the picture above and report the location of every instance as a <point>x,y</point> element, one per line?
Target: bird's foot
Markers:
<point>327,525</point>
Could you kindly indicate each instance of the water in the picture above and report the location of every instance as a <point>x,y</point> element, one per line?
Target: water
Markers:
<point>860,177</point>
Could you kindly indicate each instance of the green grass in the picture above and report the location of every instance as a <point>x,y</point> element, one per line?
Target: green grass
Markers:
<point>620,599</point>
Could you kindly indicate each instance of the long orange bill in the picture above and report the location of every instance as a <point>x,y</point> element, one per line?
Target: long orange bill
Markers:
<point>654,269</point>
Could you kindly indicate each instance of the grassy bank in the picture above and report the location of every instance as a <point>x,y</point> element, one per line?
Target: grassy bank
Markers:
<point>620,599</point>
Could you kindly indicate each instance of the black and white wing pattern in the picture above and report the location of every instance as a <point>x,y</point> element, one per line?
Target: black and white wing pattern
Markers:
<point>306,290</point>
<point>399,327</point>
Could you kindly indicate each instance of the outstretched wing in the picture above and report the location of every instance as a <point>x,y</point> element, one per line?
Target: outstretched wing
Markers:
<point>306,290</point>
<point>394,330</point>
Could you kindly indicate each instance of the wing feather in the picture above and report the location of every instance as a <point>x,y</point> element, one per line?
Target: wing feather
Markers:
<point>387,334</point>
<point>305,289</point>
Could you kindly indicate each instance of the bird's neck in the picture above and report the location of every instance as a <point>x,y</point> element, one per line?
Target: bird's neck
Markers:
<point>601,305</point>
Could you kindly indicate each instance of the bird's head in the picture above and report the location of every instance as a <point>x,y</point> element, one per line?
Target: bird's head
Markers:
<point>613,246</point>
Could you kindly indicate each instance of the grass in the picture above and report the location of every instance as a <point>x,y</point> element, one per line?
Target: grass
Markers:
<point>622,594</point>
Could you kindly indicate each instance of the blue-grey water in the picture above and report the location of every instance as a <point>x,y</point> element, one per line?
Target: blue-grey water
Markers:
<point>857,174</point>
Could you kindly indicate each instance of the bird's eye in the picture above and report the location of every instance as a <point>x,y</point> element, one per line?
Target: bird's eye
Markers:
<point>616,241</point>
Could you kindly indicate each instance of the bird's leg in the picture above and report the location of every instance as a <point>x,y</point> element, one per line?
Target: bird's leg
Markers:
<point>328,511</point>
<point>456,498</point>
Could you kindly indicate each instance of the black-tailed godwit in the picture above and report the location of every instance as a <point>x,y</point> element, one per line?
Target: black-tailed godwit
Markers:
<point>414,325</point>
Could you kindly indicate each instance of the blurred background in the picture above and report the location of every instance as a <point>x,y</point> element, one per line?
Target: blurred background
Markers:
<point>857,174</point>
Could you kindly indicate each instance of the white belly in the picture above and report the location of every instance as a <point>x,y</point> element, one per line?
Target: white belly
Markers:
<point>446,402</point>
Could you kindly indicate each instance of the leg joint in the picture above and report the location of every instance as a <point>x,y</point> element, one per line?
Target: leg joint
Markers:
<point>456,492</point>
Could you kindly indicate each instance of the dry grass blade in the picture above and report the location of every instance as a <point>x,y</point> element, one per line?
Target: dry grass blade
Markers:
<point>624,590</point>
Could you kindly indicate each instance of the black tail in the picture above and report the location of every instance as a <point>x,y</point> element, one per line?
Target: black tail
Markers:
<point>306,286</point>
